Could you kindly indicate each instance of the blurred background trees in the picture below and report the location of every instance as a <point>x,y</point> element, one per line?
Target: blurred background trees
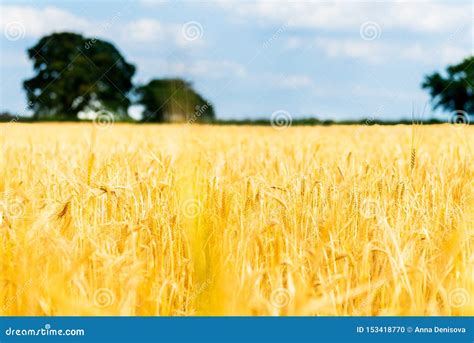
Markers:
<point>173,100</point>
<point>75,74</point>
<point>78,75</point>
<point>453,92</point>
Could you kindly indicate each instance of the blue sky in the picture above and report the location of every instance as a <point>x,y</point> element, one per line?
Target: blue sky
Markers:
<point>326,59</point>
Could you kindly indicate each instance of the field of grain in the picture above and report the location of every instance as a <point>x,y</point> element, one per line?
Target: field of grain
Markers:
<point>221,220</point>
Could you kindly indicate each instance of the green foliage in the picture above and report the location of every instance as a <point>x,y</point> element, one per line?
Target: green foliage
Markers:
<point>455,92</point>
<point>74,73</point>
<point>173,100</point>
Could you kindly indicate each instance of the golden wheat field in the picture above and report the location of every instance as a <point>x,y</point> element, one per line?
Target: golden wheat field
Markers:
<point>221,220</point>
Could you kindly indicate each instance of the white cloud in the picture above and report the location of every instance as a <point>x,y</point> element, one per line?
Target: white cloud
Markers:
<point>452,54</point>
<point>13,59</point>
<point>298,81</point>
<point>202,68</point>
<point>39,22</point>
<point>282,81</point>
<point>210,69</point>
<point>152,3</point>
<point>145,30</point>
<point>380,51</point>
<point>357,48</point>
<point>429,16</point>
<point>222,69</point>
<point>421,16</point>
<point>429,32</point>
<point>148,30</point>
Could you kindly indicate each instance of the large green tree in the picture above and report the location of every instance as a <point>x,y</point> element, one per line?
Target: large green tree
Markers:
<point>74,73</point>
<point>455,90</point>
<point>173,100</point>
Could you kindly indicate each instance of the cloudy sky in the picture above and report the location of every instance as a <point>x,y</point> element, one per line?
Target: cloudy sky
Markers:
<point>329,59</point>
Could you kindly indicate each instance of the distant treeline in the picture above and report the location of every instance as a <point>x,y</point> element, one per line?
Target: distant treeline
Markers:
<point>77,77</point>
<point>8,117</point>
<point>314,121</point>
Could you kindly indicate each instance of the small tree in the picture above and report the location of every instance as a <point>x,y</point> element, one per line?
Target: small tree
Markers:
<point>74,73</point>
<point>173,100</point>
<point>455,91</point>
